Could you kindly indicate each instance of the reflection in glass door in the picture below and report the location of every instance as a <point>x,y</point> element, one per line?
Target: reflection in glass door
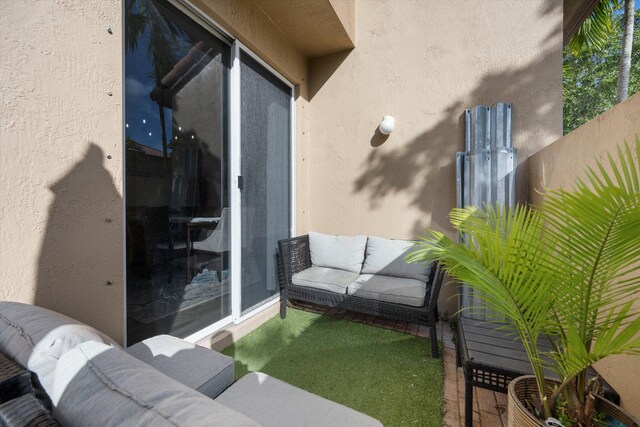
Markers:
<point>177,191</point>
<point>265,133</point>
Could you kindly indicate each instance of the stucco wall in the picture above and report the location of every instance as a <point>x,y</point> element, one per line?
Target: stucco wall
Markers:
<point>558,165</point>
<point>424,62</point>
<point>61,158</point>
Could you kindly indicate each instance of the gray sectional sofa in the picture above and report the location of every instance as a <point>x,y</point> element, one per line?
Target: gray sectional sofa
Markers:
<point>360,273</point>
<point>86,378</point>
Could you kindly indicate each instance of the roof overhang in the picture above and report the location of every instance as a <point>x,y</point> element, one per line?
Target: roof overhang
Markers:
<point>315,27</point>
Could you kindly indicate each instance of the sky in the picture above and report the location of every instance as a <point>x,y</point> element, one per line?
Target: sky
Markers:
<point>142,121</point>
<point>142,115</point>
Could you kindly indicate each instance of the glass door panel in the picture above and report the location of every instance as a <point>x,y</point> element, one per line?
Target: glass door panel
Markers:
<point>265,133</point>
<point>177,184</point>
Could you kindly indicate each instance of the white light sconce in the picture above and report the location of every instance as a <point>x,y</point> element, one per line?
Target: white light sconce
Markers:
<point>387,125</point>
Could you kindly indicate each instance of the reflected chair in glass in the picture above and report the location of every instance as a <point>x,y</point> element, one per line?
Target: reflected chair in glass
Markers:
<point>213,248</point>
<point>173,245</point>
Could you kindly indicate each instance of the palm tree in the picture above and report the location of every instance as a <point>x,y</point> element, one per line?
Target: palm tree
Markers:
<point>143,19</point>
<point>625,56</point>
<point>592,36</point>
<point>569,270</point>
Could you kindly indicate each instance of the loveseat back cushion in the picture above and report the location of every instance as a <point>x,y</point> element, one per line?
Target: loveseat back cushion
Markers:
<point>341,252</point>
<point>103,386</point>
<point>324,278</point>
<point>399,290</point>
<point>36,337</point>
<point>386,257</point>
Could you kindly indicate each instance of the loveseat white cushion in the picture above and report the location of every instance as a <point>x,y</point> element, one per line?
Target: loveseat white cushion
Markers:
<point>274,403</point>
<point>199,368</point>
<point>324,278</point>
<point>96,384</point>
<point>390,289</point>
<point>341,252</point>
<point>387,258</point>
<point>36,338</point>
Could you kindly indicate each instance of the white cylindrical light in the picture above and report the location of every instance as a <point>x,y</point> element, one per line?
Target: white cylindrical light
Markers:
<point>387,125</point>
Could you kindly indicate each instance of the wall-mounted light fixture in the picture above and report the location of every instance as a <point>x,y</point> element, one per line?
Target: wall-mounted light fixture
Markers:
<point>387,125</point>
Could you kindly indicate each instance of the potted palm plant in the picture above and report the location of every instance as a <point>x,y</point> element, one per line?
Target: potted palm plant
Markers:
<point>567,271</point>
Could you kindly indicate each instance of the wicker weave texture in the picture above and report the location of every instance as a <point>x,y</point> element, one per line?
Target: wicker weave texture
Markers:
<point>14,379</point>
<point>25,411</point>
<point>522,388</point>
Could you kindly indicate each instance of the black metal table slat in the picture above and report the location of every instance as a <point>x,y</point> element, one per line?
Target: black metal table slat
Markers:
<point>497,337</point>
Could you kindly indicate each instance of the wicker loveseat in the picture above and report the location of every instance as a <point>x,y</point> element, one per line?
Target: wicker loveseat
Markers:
<point>363,274</point>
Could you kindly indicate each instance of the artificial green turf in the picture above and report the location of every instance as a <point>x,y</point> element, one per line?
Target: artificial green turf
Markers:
<point>386,374</point>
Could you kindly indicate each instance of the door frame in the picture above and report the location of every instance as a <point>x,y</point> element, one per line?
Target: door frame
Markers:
<point>234,123</point>
<point>238,48</point>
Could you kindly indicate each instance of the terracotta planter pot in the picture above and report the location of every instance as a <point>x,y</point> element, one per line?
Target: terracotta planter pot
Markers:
<point>522,387</point>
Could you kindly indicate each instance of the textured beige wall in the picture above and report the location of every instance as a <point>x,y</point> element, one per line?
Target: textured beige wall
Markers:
<point>424,62</point>
<point>61,214</point>
<point>558,165</point>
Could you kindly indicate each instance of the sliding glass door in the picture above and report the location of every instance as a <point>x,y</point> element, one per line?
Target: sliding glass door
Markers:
<point>177,187</point>
<point>265,169</point>
<point>187,227</point>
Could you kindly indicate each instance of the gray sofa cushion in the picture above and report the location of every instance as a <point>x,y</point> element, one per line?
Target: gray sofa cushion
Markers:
<point>390,289</point>
<point>103,386</point>
<point>199,368</point>
<point>36,337</point>
<point>386,257</point>
<point>341,252</point>
<point>274,403</point>
<point>327,279</point>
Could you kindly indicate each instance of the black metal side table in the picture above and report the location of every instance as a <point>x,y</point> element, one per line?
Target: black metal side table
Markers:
<point>491,358</point>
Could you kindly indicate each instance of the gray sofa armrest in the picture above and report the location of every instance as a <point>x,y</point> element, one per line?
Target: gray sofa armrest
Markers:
<point>199,368</point>
<point>100,385</point>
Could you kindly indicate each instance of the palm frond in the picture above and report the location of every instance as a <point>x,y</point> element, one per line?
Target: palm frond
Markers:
<point>597,230</point>
<point>137,21</point>
<point>505,260</point>
<point>592,34</point>
<point>620,338</point>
